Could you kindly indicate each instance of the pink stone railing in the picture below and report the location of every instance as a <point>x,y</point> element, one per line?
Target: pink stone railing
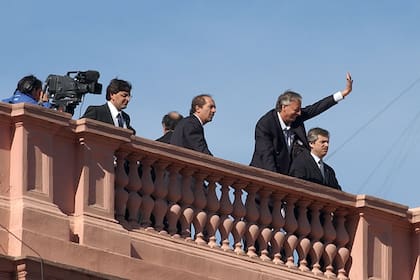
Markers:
<point>281,220</point>
<point>93,172</point>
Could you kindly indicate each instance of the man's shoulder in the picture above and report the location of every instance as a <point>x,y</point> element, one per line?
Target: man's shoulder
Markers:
<point>268,117</point>
<point>19,97</point>
<point>303,157</point>
<point>270,114</point>
<point>8,100</point>
<point>190,120</point>
<point>125,115</point>
<point>328,167</point>
<point>96,107</point>
<point>94,110</point>
<point>166,138</point>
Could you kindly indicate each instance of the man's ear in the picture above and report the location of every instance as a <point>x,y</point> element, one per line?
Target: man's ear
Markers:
<point>197,108</point>
<point>311,144</point>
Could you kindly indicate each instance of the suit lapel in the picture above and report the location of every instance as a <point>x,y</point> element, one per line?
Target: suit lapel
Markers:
<point>315,167</point>
<point>107,116</point>
<point>279,130</point>
<point>328,175</point>
<point>126,118</point>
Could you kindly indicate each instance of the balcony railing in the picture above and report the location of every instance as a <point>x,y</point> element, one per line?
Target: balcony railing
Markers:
<point>109,187</point>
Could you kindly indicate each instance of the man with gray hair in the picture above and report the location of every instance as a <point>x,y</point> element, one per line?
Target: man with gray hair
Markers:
<point>280,134</point>
<point>310,166</point>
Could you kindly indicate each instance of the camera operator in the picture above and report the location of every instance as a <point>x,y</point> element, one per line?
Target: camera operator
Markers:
<point>29,90</point>
<point>118,95</point>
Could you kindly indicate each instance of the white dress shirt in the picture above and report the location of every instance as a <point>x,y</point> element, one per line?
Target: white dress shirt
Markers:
<point>114,113</point>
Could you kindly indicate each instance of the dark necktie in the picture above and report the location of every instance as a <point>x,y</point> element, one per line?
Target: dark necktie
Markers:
<point>321,168</point>
<point>120,120</point>
<point>288,137</point>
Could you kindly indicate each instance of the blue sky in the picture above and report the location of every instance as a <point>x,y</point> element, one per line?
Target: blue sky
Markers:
<point>244,53</point>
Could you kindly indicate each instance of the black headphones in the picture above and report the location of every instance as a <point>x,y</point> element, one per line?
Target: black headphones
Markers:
<point>27,84</point>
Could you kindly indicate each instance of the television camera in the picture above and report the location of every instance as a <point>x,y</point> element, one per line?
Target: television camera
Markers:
<point>66,92</point>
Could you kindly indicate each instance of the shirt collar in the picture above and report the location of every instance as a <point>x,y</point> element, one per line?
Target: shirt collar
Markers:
<point>316,158</point>
<point>198,119</point>
<point>113,109</point>
<point>283,125</point>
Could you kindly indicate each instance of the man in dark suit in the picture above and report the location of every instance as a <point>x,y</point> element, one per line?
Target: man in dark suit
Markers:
<point>280,134</point>
<point>118,94</point>
<point>169,122</point>
<point>189,132</point>
<point>310,166</point>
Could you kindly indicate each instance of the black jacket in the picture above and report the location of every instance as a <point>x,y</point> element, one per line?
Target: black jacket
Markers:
<point>270,150</point>
<point>103,114</point>
<point>305,167</point>
<point>189,133</point>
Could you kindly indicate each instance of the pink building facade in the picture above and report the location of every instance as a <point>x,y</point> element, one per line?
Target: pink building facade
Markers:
<point>80,199</point>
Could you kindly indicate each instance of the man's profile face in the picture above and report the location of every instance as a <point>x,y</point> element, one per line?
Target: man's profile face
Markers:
<point>320,146</point>
<point>206,113</point>
<point>290,112</point>
<point>120,99</point>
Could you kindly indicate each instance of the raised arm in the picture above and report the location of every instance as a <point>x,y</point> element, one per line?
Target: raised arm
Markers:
<point>349,85</point>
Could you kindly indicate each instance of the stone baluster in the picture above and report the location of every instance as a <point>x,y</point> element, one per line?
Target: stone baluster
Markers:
<point>277,223</point>
<point>22,272</point>
<point>121,180</point>
<point>290,226</point>
<point>200,201</point>
<point>146,191</point>
<point>304,228</point>
<point>238,213</point>
<point>225,210</point>
<point>174,196</point>
<point>342,239</point>
<point>317,231</point>
<point>187,212</point>
<point>330,249</point>
<point>160,193</point>
<point>252,215</point>
<point>134,185</point>
<point>212,208</point>
<point>264,222</point>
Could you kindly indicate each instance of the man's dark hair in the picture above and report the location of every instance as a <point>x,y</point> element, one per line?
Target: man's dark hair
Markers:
<point>171,119</point>
<point>199,101</point>
<point>116,86</point>
<point>286,97</point>
<point>28,83</point>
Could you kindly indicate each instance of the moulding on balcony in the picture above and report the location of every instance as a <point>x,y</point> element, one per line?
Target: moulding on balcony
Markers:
<point>414,215</point>
<point>379,206</point>
<point>98,128</point>
<point>5,110</point>
<point>38,114</point>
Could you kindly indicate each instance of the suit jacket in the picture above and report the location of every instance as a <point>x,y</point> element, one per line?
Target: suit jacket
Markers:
<point>189,133</point>
<point>166,138</point>
<point>270,150</point>
<point>103,114</point>
<point>305,167</point>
